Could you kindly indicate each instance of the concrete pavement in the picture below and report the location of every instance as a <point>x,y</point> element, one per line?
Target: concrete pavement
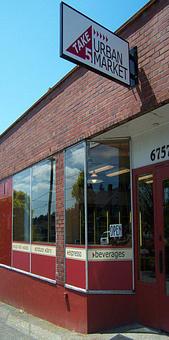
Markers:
<point>16,324</point>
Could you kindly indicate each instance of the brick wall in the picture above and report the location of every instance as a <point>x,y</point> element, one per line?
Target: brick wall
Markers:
<point>84,104</point>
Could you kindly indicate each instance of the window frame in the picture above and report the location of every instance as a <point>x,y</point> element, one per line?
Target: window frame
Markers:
<point>31,243</point>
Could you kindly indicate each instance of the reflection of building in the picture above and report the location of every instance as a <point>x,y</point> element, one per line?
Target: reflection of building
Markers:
<point>117,174</point>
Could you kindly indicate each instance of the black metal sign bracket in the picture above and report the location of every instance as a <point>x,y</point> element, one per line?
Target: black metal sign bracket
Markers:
<point>133,58</point>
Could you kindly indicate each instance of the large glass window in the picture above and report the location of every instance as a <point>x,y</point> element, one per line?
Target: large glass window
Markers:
<point>43,202</point>
<point>146,229</point>
<point>108,193</point>
<point>74,194</point>
<point>34,191</point>
<point>21,206</point>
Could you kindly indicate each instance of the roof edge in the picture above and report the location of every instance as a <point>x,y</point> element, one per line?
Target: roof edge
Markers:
<point>135,16</point>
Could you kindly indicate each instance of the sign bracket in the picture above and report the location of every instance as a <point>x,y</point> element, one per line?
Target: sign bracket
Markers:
<point>133,60</point>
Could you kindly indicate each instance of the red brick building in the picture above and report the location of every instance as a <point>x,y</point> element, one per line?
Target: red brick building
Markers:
<point>84,194</point>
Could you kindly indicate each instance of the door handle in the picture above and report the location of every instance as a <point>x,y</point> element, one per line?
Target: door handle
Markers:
<point>161,261</point>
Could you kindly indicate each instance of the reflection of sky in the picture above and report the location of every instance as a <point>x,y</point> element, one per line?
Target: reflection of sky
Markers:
<point>42,169</point>
<point>71,172</point>
<point>40,187</point>
<point>21,181</point>
<point>74,160</point>
<point>41,175</point>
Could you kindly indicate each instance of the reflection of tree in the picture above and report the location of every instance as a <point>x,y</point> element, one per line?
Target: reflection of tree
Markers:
<point>21,221</point>
<point>21,199</point>
<point>75,215</point>
<point>78,188</point>
<point>43,203</point>
<point>41,230</point>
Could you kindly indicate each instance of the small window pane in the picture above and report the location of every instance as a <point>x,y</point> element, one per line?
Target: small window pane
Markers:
<point>21,206</point>
<point>43,202</point>
<point>74,194</point>
<point>146,229</point>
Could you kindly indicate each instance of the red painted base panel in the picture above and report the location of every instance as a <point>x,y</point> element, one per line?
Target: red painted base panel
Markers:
<point>63,307</point>
<point>75,273</point>
<point>110,275</point>
<point>44,266</point>
<point>45,300</point>
<point>21,260</point>
<point>108,311</point>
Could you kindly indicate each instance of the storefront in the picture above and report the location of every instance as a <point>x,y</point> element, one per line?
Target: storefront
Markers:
<point>84,194</point>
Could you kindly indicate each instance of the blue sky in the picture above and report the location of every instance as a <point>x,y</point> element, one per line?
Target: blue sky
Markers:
<point>29,47</point>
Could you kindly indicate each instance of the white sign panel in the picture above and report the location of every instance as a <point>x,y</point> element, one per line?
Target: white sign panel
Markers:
<point>151,147</point>
<point>110,254</point>
<point>85,42</point>
<point>23,247</point>
<point>76,253</point>
<point>43,250</point>
<point>34,248</point>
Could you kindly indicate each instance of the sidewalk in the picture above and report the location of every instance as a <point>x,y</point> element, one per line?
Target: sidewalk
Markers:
<point>16,324</point>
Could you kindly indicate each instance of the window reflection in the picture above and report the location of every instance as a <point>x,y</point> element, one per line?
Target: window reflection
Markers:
<point>108,191</point>
<point>43,202</point>
<point>21,206</point>
<point>146,229</point>
<point>74,194</point>
<point>34,189</point>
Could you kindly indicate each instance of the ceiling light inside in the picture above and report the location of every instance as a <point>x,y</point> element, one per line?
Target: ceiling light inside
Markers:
<point>102,168</point>
<point>143,178</point>
<point>116,173</point>
<point>94,181</point>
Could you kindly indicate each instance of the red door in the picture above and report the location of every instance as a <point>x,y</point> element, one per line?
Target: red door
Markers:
<point>151,206</point>
<point>162,215</point>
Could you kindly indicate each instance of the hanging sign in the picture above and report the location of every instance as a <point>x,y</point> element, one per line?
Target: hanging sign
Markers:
<point>87,43</point>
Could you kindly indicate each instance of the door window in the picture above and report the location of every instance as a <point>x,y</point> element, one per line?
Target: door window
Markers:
<point>146,229</point>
